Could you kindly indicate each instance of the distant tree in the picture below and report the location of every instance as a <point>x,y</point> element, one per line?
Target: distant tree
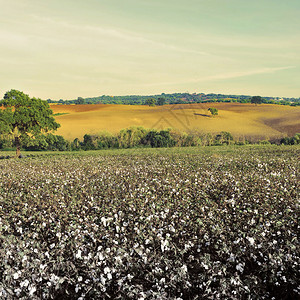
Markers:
<point>89,142</point>
<point>256,100</point>
<point>23,116</point>
<point>161,101</point>
<point>295,140</point>
<point>75,145</point>
<point>214,111</point>
<point>224,138</point>
<point>79,100</point>
<point>158,139</point>
<point>150,102</point>
<point>131,137</point>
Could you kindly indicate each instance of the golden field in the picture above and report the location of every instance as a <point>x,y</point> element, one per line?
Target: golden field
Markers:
<point>261,121</point>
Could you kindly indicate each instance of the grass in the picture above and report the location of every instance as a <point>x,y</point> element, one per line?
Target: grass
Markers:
<point>213,150</point>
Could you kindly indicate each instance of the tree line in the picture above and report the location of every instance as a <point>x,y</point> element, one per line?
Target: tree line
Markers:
<point>178,98</point>
<point>133,137</point>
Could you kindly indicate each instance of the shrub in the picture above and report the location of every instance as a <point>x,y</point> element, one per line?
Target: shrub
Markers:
<point>214,111</point>
<point>295,140</point>
<point>131,137</point>
<point>157,139</point>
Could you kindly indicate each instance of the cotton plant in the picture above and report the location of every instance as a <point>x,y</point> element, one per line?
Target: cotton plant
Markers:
<point>150,227</point>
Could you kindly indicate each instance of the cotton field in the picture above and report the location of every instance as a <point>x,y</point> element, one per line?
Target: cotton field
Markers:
<point>174,225</point>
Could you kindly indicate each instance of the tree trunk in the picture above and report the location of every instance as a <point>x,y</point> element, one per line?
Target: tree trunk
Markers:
<point>18,146</point>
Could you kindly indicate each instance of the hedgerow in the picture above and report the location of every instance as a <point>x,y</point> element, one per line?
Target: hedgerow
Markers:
<point>176,226</point>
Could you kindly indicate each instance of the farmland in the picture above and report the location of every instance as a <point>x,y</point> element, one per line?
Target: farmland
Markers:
<point>192,223</point>
<point>263,121</point>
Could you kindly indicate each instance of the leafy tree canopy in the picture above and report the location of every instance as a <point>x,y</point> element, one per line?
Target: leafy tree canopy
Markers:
<point>150,102</point>
<point>161,101</point>
<point>80,100</point>
<point>22,115</point>
<point>214,111</point>
<point>256,99</point>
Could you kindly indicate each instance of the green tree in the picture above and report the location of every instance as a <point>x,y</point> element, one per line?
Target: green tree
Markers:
<point>214,111</point>
<point>161,101</point>
<point>24,116</point>
<point>89,142</point>
<point>224,138</point>
<point>131,137</point>
<point>150,102</point>
<point>75,145</point>
<point>80,100</point>
<point>157,139</point>
<point>256,100</point>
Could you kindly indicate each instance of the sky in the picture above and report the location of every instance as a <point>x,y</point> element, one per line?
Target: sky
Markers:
<point>64,49</point>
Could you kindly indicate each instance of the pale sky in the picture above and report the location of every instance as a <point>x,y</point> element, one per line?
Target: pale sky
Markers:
<point>64,49</point>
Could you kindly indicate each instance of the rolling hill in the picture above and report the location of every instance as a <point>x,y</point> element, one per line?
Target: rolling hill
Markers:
<point>241,120</point>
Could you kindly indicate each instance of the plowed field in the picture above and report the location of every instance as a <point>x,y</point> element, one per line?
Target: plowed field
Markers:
<point>242,120</point>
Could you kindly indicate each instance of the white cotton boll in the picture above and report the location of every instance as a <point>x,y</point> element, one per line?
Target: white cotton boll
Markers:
<point>251,240</point>
<point>164,245</point>
<point>103,220</point>
<point>102,279</point>
<point>78,254</point>
<point>17,291</point>
<point>142,296</point>
<point>32,290</point>
<point>118,260</point>
<point>54,278</point>
<point>184,269</point>
<point>240,267</point>
<point>129,276</point>
<point>24,283</point>
<point>231,258</point>
<point>172,229</point>
<point>139,251</point>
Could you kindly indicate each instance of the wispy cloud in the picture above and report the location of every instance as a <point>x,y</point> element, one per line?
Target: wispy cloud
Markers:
<point>246,73</point>
<point>116,33</point>
<point>225,76</point>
